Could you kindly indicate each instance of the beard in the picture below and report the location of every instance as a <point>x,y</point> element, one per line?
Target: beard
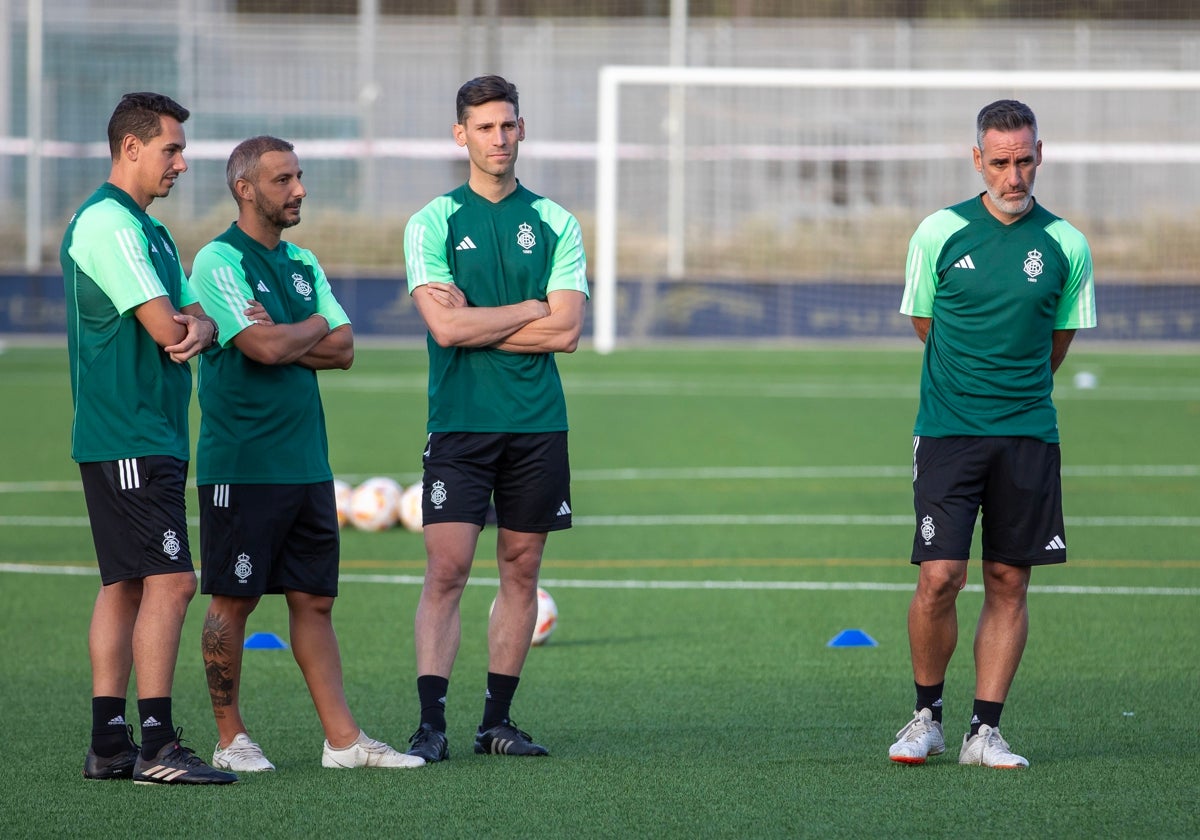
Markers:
<point>1011,207</point>
<point>278,215</point>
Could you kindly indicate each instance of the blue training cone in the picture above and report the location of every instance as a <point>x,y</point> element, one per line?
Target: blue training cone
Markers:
<point>264,641</point>
<point>852,638</point>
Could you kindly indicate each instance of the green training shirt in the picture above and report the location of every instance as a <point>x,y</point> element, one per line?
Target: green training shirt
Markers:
<point>520,248</point>
<point>996,294</point>
<point>130,400</point>
<point>260,424</point>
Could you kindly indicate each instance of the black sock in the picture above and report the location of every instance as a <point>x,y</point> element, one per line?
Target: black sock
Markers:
<point>110,735</point>
<point>498,700</point>
<point>985,712</point>
<point>431,690</point>
<point>157,728</point>
<point>930,697</point>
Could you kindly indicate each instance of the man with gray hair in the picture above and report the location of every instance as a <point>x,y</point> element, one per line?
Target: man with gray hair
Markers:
<point>996,287</point>
<point>268,518</point>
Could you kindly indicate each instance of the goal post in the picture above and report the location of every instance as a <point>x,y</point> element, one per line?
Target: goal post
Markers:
<point>1128,106</point>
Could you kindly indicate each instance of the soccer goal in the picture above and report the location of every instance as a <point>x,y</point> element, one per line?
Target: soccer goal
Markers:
<point>777,204</point>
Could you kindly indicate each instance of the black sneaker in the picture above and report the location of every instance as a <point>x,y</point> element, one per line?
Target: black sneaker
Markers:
<point>176,764</point>
<point>119,766</point>
<point>429,744</point>
<point>506,739</point>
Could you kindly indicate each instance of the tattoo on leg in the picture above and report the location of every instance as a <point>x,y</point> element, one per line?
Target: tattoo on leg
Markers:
<point>215,642</point>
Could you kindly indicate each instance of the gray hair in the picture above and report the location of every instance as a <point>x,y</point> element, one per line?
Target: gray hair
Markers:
<point>244,159</point>
<point>1004,115</point>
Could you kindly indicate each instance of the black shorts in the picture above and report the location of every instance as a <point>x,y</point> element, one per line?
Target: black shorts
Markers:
<point>263,539</point>
<point>138,515</point>
<point>529,475</point>
<point>1015,482</point>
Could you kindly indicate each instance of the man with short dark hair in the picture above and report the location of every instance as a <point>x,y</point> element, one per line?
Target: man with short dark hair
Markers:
<point>996,287</point>
<point>132,324</point>
<point>498,275</point>
<point>268,518</point>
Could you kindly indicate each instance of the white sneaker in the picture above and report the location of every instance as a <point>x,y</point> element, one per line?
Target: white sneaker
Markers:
<point>367,752</point>
<point>242,756</point>
<point>989,749</point>
<point>921,737</point>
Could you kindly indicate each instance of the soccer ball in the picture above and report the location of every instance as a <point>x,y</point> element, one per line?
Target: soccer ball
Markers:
<point>547,617</point>
<point>375,504</point>
<point>410,508</point>
<point>342,491</point>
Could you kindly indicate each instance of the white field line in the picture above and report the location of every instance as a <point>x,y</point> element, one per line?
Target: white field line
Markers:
<point>709,585</point>
<point>783,473</point>
<point>757,520</point>
<point>782,389</point>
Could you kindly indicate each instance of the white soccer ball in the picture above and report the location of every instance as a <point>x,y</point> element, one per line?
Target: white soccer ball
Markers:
<point>410,508</point>
<point>547,617</point>
<point>342,491</point>
<point>375,504</point>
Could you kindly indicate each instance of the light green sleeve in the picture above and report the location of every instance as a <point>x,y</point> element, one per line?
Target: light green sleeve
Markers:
<point>186,295</point>
<point>220,283</point>
<point>327,304</point>
<point>920,272</point>
<point>110,246</point>
<point>569,270</point>
<point>1077,306</point>
<point>425,243</point>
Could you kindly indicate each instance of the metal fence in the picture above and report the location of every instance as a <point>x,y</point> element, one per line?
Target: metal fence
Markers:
<point>369,103</point>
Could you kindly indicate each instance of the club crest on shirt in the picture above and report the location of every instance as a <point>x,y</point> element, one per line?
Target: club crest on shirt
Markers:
<point>1033,265</point>
<point>302,286</point>
<point>525,237</point>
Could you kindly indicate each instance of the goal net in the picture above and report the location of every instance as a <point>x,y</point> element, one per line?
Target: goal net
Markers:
<point>777,204</point>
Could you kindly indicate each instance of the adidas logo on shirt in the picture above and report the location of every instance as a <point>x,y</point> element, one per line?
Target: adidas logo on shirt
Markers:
<point>262,287</point>
<point>1055,543</point>
<point>965,262</point>
<point>465,245</point>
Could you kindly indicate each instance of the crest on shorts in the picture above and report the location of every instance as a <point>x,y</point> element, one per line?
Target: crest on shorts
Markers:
<point>1033,265</point>
<point>242,567</point>
<point>525,237</point>
<point>437,493</point>
<point>302,286</point>
<point>927,530</point>
<point>171,544</point>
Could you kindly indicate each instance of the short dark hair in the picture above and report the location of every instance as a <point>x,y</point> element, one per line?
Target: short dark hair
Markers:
<point>140,114</point>
<point>1005,115</point>
<point>244,159</point>
<point>483,89</point>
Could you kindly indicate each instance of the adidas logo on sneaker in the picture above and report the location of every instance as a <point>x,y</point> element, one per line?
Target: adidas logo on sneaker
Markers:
<point>965,262</point>
<point>465,245</point>
<point>1056,543</point>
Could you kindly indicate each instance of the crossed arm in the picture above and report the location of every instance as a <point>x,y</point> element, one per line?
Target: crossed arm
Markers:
<point>309,343</point>
<point>531,326</point>
<point>181,334</point>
